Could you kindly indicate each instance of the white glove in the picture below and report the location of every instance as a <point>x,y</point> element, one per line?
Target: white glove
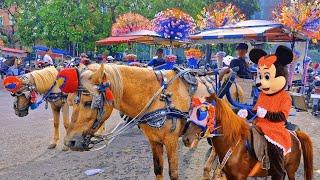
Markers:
<point>261,112</point>
<point>243,113</point>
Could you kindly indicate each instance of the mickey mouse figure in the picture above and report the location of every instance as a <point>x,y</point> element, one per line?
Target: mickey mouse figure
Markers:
<point>273,105</point>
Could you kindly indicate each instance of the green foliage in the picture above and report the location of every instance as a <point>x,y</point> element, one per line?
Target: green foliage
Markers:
<point>248,7</point>
<point>71,24</point>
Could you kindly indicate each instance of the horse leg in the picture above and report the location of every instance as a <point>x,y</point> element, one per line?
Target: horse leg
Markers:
<point>172,151</point>
<point>209,163</point>
<point>157,152</point>
<point>66,121</point>
<point>56,114</point>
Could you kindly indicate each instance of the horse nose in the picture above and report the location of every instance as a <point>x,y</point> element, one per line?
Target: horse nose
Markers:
<point>75,143</point>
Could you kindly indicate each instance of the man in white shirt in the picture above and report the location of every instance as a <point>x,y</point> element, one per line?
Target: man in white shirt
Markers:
<point>47,58</point>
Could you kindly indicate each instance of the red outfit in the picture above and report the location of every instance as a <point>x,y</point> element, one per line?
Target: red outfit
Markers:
<point>275,132</point>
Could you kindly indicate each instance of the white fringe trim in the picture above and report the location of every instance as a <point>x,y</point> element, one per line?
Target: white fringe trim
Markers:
<point>277,144</point>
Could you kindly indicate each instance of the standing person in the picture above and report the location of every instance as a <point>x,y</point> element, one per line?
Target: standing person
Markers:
<point>84,59</point>
<point>47,58</point>
<point>219,56</point>
<point>158,60</point>
<point>240,62</point>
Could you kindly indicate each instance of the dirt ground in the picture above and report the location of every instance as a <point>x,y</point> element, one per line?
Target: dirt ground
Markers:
<point>24,153</point>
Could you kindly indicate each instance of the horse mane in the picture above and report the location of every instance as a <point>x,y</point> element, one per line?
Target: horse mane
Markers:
<point>233,126</point>
<point>113,75</point>
<point>44,78</point>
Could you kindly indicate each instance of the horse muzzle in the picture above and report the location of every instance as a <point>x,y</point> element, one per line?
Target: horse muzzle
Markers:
<point>78,143</point>
<point>21,113</point>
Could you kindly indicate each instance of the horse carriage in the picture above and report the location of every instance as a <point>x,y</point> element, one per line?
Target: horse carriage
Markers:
<point>159,103</point>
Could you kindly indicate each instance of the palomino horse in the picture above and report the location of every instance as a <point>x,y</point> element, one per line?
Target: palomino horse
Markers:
<point>132,88</point>
<point>40,82</point>
<point>235,131</point>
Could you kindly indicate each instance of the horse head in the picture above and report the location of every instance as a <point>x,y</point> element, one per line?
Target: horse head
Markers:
<point>92,104</point>
<point>23,93</point>
<point>224,121</point>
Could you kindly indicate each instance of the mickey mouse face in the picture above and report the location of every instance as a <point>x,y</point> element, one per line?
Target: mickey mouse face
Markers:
<point>268,81</point>
<point>272,74</point>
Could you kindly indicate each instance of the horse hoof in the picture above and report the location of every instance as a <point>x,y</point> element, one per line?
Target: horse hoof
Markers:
<point>52,146</point>
<point>65,148</point>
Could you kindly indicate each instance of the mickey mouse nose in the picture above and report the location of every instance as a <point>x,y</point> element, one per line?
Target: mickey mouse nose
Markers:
<point>258,84</point>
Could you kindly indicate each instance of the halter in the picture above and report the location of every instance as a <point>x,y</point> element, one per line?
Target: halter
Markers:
<point>104,96</point>
<point>202,114</point>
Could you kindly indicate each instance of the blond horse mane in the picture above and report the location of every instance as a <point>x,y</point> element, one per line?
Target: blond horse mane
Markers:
<point>233,127</point>
<point>44,78</point>
<point>113,75</point>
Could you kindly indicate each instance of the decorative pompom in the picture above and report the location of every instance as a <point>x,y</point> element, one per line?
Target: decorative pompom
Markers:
<point>12,83</point>
<point>130,22</point>
<point>173,24</point>
<point>300,16</point>
<point>109,95</point>
<point>67,80</point>
<point>219,14</point>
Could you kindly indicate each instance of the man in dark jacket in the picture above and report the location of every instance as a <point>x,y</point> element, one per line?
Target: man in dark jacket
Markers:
<point>158,61</point>
<point>240,62</point>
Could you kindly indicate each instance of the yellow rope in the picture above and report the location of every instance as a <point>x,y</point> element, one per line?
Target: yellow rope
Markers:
<point>44,78</point>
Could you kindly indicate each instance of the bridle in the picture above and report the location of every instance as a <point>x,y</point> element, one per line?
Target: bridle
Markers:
<point>28,91</point>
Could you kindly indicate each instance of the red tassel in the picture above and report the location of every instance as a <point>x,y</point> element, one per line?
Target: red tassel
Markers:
<point>33,97</point>
<point>109,95</point>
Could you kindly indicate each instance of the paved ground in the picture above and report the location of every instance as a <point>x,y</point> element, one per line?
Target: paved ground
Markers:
<point>24,154</point>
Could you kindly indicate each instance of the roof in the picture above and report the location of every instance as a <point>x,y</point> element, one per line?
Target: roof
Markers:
<point>117,40</point>
<point>251,30</point>
<point>13,52</point>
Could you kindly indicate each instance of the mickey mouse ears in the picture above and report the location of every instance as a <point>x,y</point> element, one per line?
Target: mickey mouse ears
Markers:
<point>284,55</point>
<point>12,83</point>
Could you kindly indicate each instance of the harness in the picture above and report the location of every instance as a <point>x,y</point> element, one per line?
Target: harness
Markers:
<point>154,119</point>
<point>29,91</point>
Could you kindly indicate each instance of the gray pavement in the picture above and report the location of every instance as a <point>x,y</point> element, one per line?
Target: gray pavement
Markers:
<point>24,153</point>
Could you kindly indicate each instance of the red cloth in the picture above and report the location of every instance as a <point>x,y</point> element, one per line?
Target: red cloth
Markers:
<point>12,83</point>
<point>275,132</point>
<point>69,76</point>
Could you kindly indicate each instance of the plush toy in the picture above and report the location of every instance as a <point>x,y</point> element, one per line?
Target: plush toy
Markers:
<point>273,104</point>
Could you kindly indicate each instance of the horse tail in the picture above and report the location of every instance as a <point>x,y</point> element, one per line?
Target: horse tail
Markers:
<point>307,151</point>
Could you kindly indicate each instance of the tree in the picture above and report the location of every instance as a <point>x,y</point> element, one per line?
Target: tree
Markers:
<point>248,7</point>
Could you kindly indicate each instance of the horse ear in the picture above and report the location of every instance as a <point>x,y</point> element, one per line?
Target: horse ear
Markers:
<point>256,54</point>
<point>212,97</point>
<point>100,74</point>
<point>284,55</point>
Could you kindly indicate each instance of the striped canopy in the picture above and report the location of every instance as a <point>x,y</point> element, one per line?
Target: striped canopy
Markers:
<point>251,30</point>
<point>142,36</point>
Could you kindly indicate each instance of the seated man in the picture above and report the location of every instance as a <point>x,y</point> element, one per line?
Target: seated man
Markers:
<point>158,61</point>
<point>244,71</point>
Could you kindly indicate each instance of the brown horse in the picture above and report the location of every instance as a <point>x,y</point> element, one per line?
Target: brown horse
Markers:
<point>40,82</point>
<point>234,132</point>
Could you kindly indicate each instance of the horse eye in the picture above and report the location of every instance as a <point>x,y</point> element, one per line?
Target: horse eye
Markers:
<point>88,103</point>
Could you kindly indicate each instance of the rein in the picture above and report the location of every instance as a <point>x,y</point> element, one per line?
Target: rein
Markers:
<point>137,119</point>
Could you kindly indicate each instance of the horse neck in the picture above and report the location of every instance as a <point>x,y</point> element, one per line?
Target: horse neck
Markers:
<point>141,84</point>
<point>233,128</point>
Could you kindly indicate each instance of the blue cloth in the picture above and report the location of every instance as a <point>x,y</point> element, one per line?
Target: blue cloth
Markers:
<point>244,71</point>
<point>156,62</point>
